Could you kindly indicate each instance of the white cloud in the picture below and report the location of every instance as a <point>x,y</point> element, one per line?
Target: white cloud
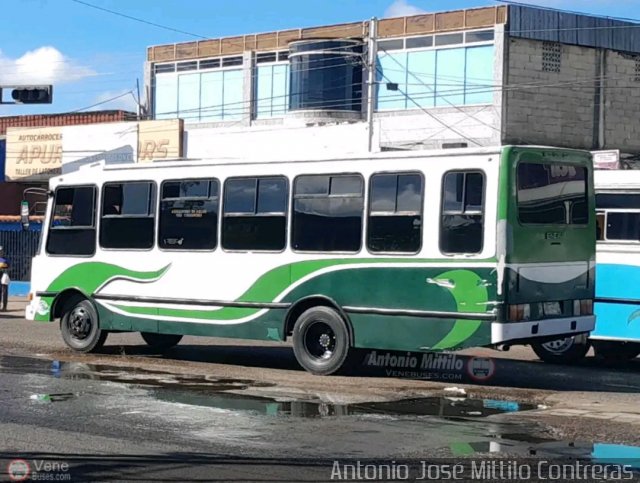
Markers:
<point>124,101</point>
<point>44,65</point>
<point>400,8</point>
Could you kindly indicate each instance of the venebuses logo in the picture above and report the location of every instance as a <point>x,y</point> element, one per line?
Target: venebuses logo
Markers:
<point>18,470</point>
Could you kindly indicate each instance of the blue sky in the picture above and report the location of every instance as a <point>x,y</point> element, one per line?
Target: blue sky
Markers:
<point>91,55</point>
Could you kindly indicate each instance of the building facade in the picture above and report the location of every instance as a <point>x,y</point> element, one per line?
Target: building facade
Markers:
<point>32,140</point>
<point>485,76</point>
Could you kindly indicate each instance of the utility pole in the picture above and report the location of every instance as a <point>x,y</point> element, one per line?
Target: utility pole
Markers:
<point>138,100</point>
<point>371,77</point>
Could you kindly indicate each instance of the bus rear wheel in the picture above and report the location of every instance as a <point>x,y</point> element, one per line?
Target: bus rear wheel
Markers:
<point>568,350</point>
<point>80,326</point>
<point>321,341</point>
<point>616,351</point>
<point>161,341</point>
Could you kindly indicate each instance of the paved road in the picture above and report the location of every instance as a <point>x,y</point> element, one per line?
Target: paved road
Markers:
<point>221,409</point>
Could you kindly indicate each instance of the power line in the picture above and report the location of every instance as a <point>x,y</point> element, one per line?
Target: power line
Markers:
<point>141,20</point>
<point>103,102</point>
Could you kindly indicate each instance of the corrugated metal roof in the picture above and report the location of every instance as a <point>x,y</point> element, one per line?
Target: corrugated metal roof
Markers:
<point>571,28</point>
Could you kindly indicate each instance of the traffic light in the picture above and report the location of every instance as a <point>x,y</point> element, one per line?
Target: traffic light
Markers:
<point>33,94</point>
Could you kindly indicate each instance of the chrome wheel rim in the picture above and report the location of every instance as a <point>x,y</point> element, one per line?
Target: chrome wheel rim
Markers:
<point>320,341</point>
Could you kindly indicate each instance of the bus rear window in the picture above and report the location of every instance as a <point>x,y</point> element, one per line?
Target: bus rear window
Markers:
<point>552,194</point>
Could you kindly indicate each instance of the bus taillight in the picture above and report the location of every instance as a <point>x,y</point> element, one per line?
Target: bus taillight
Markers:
<point>519,312</point>
<point>583,307</point>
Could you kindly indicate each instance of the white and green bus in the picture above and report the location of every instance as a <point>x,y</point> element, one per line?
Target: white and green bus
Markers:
<point>408,251</point>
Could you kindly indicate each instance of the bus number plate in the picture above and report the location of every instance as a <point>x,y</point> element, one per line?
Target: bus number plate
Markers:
<point>552,308</point>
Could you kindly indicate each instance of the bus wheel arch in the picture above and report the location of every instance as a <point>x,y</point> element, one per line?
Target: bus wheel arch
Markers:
<point>63,300</point>
<point>567,350</point>
<point>302,305</point>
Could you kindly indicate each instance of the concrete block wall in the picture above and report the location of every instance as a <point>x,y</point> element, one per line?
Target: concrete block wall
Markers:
<point>622,102</point>
<point>549,108</point>
<point>593,102</point>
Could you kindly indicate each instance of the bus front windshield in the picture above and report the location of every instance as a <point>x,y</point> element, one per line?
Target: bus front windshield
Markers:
<point>552,194</point>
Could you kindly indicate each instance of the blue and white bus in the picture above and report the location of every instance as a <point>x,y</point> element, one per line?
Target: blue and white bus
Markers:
<point>617,305</point>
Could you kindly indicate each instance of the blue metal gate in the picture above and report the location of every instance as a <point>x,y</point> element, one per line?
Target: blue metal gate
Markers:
<point>19,248</point>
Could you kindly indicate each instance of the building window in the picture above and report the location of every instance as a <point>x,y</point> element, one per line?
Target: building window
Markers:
<point>551,56</point>
<point>72,230</point>
<point>189,214</point>
<point>394,44</point>
<point>221,96</point>
<point>163,68</point>
<point>265,57</point>
<point>419,42</point>
<point>216,95</point>
<point>461,229</point>
<point>209,64</point>
<point>231,61</point>
<point>478,36</point>
<point>165,99</point>
<point>327,213</point>
<point>435,77</point>
<point>255,213</point>
<point>272,90</point>
<point>395,212</point>
<point>184,66</point>
<point>128,210</point>
<point>449,39</point>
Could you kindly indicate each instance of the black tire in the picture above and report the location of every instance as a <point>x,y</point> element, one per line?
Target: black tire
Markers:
<point>80,326</point>
<point>615,351</point>
<point>568,350</point>
<point>161,342</point>
<point>321,341</point>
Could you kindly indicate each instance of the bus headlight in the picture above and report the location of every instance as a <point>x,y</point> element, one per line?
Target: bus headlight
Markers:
<point>519,312</point>
<point>583,307</point>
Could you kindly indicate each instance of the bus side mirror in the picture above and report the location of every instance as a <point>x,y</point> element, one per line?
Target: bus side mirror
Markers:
<point>24,214</point>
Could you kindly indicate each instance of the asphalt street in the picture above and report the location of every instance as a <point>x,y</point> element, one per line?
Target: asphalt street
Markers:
<point>226,410</point>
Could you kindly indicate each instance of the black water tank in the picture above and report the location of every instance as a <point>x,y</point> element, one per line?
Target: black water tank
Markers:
<point>326,75</point>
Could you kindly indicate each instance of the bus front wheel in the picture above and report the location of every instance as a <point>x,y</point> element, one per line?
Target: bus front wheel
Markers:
<point>321,340</point>
<point>615,351</point>
<point>161,341</point>
<point>80,326</point>
<point>563,351</point>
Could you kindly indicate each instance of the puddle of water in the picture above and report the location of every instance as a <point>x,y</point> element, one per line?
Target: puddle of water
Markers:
<point>214,392</point>
<point>443,407</point>
<point>127,375</point>
<point>223,394</point>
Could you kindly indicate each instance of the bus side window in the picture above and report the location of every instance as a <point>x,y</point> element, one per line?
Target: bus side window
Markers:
<point>327,213</point>
<point>395,212</point>
<point>128,215</point>
<point>462,218</point>
<point>189,214</point>
<point>255,213</point>
<point>72,230</point>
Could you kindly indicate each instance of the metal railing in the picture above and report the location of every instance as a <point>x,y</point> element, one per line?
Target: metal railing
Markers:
<point>19,248</point>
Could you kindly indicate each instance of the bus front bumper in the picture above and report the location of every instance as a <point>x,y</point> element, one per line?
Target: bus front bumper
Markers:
<point>37,309</point>
<point>502,332</point>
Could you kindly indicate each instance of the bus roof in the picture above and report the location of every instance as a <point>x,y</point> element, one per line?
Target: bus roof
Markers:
<point>291,158</point>
<point>617,178</point>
